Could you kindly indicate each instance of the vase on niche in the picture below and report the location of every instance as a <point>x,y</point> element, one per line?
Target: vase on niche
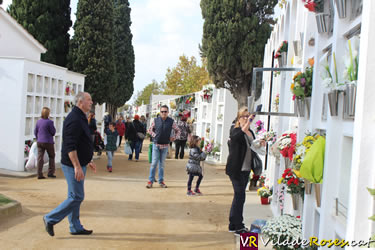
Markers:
<point>333,98</point>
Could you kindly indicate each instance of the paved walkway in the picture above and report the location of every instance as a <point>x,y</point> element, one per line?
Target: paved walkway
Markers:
<point>126,215</point>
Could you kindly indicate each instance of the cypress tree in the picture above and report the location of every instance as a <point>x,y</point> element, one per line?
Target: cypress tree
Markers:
<point>49,22</point>
<point>123,54</point>
<point>234,36</point>
<point>91,50</point>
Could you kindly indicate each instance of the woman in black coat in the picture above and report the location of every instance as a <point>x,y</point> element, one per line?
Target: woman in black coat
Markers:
<point>239,166</point>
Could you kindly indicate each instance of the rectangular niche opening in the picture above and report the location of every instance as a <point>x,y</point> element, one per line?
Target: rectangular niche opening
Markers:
<point>38,105</point>
<point>58,124</point>
<point>39,84</point>
<point>29,105</point>
<point>219,133</point>
<point>60,88</point>
<point>47,86</point>
<point>28,126</point>
<point>30,82</point>
<point>53,106</point>
<point>45,102</point>
<point>59,106</point>
<point>344,176</point>
<point>53,86</point>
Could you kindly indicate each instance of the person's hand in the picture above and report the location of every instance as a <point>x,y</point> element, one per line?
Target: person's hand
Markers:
<point>246,126</point>
<point>251,118</point>
<point>172,139</point>
<point>78,173</point>
<point>92,165</point>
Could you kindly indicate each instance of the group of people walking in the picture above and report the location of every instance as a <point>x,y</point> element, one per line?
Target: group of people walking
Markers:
<point>77,153</point>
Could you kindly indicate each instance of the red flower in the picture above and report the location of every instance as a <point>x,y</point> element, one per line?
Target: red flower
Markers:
<point>284,175</point>
<point>290,174</point>
<point>296,181</point>
<point>298,217</point>
<point>310,5</point>
<point>294,97</point>
<point>289,182</point>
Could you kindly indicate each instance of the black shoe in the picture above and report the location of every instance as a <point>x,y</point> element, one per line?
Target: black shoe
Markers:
<point>49,227</point>
<point>41,177</point>
<point>51,176</point>
<point>241,231</point>
<point>83,232</point>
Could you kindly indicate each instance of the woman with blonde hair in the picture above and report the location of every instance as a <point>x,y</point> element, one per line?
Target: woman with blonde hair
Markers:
<point>239,165</point>
<point>44,132</point>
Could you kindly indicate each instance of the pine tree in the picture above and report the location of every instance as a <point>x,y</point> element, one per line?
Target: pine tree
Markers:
<point>123,54</point>
<point>91,50</point>
<point>49,23</point>
<point>234,36</point>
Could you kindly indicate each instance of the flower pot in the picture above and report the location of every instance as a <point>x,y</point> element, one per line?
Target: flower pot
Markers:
<point>287,162</point>
<point>300,107</point>
<point>356,7</point>
<point>297,47</point>
<point>341,8</point>
<point>295,200</point>
<point>333,98</point>
<point>322,22</point>
<point>308,106</point>
<point>308,186</point>
<point>264,200</point>
<point>317,187</point>
<point>350,98</point>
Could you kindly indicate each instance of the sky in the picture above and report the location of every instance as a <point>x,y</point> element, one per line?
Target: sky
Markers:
<point>162,31</point>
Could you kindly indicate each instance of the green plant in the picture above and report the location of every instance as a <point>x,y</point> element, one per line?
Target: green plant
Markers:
<point>4,200</point>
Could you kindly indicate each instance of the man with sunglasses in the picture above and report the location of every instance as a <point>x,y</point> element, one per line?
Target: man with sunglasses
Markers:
<point>160,131</point>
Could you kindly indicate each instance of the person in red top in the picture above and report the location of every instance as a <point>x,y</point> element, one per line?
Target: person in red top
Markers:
<point>120,127</point>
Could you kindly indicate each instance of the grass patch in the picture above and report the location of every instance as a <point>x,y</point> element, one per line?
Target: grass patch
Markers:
<point>4,200</point>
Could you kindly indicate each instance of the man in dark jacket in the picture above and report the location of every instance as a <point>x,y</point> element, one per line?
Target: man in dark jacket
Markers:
<point>76,154</point>
<point>160,131</point>
<point>134,133</point>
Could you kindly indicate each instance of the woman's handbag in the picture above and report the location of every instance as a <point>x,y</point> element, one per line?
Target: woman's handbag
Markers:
<point>194,169</point>
<point>140,135</point>
<point>127,149</point>
<point>257,164</point>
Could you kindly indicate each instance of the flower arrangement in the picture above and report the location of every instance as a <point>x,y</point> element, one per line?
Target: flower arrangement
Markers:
<point>329,81</point>
<point>67,106</point>
<point>262,180</point>
<point>27,148</point>
<point>276,103</point>
<point>283,48</point>
<point>264,192</point>
<point>287,145</point>
<point>316,6</point>
<point>259,127</point>
<point>202,143</point>
<point>220,117</point>
<point>302,148</point>
<point>269,136</point>
<point>302,82</point>
<point>283,228</point>
<point>69,89</point>
<point>352,61</point>
<point>295,184</point>
<point>207,130</point>
<point>190,100</point>
<point>207,93</point>
<point>209,147</point>
<point>216,149</point>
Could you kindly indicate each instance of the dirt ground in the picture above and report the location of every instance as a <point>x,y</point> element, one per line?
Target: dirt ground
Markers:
<point>122,212</point>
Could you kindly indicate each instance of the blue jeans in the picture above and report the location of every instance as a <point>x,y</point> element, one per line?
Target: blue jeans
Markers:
<point>70,207</point>
<point>110,155</point>
<point>158,156</point>
<point>136,146</point>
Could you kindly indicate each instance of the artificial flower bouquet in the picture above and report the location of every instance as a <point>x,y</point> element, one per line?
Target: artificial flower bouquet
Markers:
<point>295,184</point>
<point>283,228</point>
<point>352,60</point>
<point>287,144</point>
<point>262,180</point>
<point>303,148</point>
<point>264,192</point>
<point>316,6</point>
<point>207,93</point>
<point>283,48</point>
<point>301,86</point>
<point>330,82</point>
<point>209,147</point>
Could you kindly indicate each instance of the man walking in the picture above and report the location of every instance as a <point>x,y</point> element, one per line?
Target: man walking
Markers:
<point>160,131</point>
<point>76,154</point>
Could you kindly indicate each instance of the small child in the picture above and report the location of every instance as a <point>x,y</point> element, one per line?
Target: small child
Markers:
<point>193,167</point>
<point>111,142</point>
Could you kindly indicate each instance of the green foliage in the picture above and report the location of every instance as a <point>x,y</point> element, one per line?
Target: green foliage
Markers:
<point>144,96</point>
<point>4,200</point>
<point>234,36</point>
<point>302,83</point>
<point>124,58</point>
<point>49,23</point>
<point>91,51</point>
<point>186,77</point>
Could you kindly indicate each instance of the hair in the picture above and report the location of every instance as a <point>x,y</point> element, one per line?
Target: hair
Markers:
<point>91,115</point>
<point>194,141</point>
<point>136,117</point>
<point>113,124</point>
<point>241,111</point>
<point>164,106</point>
<point>45,113</point>
<point>79,97</point>
<point>143,118</point>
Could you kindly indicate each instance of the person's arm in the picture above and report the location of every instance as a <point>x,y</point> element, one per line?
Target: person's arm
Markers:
<point>94,121</point>
<point>151,130</point>
<point>51,128</point>
<point>36,131</point>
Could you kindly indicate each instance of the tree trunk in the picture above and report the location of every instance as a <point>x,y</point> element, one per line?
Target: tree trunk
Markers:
<point>111,109</point>
<point>241,94</point>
